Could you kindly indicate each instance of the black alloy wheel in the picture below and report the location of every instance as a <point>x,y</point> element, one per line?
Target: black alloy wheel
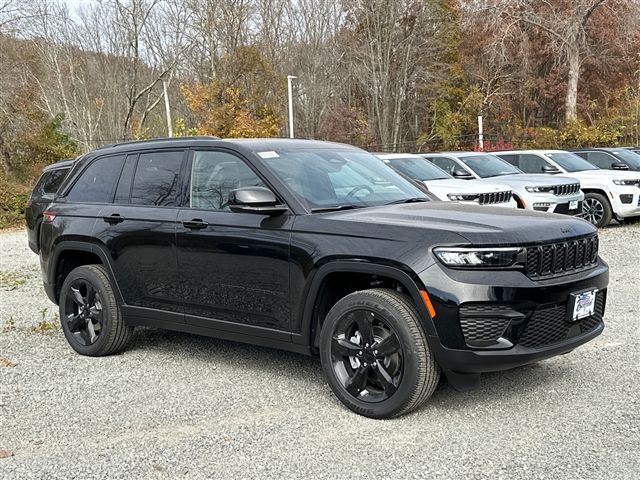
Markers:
<point>83,312</point>
<point>89,313</point>
<point>366,356</point>
<point>375,354</point>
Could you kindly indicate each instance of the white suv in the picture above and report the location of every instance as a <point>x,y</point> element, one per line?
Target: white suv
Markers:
<point>444,186</point>
<point>533,192</point>
<point>608,193</point>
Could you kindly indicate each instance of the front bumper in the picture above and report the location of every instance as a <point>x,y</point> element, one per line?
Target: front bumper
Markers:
<point>625,201</point>
<point>546,202</point>
<point>533,315</point>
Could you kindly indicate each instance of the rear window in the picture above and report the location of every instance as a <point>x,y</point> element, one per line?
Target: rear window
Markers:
<point>50,181</point>
<point>98,181</point>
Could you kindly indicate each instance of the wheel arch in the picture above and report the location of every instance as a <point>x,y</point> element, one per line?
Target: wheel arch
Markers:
<point>70,254</point>
<point>314,309</point>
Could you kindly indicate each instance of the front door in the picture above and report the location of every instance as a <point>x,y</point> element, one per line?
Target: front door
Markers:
<point>234,267</point>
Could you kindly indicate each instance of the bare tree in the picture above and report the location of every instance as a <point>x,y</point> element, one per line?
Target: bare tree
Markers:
<point>565,22</point>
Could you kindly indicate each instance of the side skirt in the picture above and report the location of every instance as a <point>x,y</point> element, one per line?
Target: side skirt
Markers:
<point>264,337</point>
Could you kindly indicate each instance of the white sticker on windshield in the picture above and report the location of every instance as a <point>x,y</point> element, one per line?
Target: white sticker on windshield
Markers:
<point>269,154</point>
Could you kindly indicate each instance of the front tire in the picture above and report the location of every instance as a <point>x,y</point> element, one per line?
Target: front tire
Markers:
<point>596,209</point>
<point>89,313</point>
<point>375,354</point>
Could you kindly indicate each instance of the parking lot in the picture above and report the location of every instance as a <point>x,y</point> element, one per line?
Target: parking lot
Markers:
<point>177,405</point>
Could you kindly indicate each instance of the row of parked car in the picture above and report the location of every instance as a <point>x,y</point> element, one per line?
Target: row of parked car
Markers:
<point>598,184</point>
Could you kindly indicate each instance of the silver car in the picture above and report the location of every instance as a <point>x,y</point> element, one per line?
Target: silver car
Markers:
<point>544,193</point>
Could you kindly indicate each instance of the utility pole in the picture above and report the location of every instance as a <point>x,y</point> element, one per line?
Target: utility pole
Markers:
<point>167,109</point>
<point>289,78</point>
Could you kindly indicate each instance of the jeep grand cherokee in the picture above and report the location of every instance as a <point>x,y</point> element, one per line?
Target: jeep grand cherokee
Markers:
<point>315,247</point>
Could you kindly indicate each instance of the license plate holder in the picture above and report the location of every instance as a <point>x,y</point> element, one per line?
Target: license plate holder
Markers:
<point>582,304</point>
<point>573,204</point>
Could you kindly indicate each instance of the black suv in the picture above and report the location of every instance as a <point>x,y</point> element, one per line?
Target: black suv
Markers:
<point>315,247</point>
<point>41,196</point>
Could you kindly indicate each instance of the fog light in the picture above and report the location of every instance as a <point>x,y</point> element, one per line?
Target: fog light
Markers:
<point>626,198</point>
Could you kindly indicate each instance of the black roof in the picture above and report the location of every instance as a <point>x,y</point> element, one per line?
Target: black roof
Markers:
<point>252,144</point>
<point>67,163</point>
<point>595,149</point>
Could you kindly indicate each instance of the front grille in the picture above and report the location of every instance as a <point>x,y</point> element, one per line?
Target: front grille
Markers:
<point>549,325</point>
<point>570,189</point>
<point>561,258</point>
<point>494,197</point>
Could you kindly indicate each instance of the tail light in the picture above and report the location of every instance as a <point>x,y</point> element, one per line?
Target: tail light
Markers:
<point>48,216</point>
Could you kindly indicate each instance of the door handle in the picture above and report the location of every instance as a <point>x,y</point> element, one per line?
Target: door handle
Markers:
<point>114,218</point>
<point>195,224</point>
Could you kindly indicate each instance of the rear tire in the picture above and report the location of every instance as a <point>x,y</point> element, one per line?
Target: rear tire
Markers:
<point>596,209</point>
<point>90,315</point>
<point>375,354</point>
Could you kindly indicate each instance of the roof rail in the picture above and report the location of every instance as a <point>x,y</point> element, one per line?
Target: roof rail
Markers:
<point>159,139</point>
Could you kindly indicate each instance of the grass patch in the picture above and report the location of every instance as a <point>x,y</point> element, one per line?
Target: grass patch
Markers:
<point>11,280</point>
<point>9,325</point>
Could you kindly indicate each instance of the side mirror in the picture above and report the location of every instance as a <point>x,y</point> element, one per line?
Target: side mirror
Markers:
<point>258,200</point>
<point>619,166</point>
<point>462,174</point>
<point>550,169</point>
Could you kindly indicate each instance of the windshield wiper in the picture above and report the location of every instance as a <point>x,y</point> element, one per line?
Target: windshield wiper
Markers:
<point>335,208</point>
<point>409,200</point>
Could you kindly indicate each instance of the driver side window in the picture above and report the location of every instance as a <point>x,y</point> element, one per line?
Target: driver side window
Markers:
<point>446,164</point>
<point>214,175</point>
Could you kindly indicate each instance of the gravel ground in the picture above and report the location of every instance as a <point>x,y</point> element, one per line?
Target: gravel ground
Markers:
<point>177,405</point>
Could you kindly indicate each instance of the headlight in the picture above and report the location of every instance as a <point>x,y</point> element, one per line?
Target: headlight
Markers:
<point>477,257</point>
<point>455,196</point>
<point>538,189</point>
<point>629,182</point>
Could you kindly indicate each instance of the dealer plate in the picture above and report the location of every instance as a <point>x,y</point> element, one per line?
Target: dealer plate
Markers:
<point>573,204</point>
<point>584,304</point>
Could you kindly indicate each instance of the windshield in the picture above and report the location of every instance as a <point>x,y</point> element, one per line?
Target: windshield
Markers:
<point>571,162</point>
<point>628,156</point>
<point>334,178</point>
<point>489,166</point>
<point>418,169</point>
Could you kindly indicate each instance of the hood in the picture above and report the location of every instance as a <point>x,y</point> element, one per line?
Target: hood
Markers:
<point>453,185</point>
<point>607,174</point>
<point>526,179</point>
<point>480,225</point>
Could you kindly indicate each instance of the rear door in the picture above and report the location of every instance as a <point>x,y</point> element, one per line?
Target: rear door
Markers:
<point>139,232</point>
<point>234,267</point>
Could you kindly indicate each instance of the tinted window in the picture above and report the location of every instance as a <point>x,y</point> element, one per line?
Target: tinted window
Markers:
<point>601,159</point>
<point>446,164</point>
<point>531,163</point>
<point>124,184</point>
<point>571,162</point>
<point>214,175</point>
<point>628,157</point>
<point>156,181</point>
<point>512,159</point>
<point>98,181</point>
<point>487,166</point>
<point>50,181</point>
<point>417,168</point>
